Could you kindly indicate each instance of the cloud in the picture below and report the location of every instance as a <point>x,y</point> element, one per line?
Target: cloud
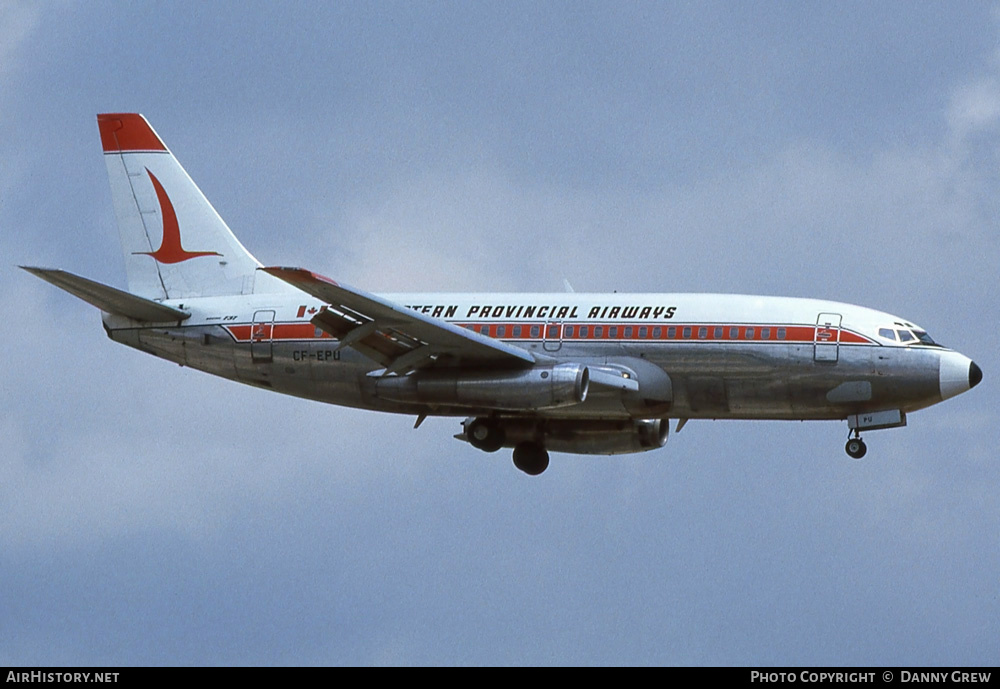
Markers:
<point>18,19</point>
<point>974,107</point>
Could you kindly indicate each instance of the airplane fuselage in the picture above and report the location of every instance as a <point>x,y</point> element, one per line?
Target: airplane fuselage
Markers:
<point>724,356</point>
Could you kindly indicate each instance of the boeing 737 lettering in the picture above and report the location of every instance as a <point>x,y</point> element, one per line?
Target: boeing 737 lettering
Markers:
<point>571,372</point>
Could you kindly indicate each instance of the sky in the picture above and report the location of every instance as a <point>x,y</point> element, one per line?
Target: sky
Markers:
<point>155,515</point>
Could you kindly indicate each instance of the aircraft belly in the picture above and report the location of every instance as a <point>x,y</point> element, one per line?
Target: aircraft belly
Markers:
<point>704,380</point>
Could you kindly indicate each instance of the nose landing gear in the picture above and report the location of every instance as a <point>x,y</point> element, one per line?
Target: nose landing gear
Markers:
<point>870,421</point>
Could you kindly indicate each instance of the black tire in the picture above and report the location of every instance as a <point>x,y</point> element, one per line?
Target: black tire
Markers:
<point>856,448</point>
<point>485,435</point>
<point>531,458</point>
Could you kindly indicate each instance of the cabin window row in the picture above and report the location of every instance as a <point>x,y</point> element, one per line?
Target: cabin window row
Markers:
<point>629,332</point>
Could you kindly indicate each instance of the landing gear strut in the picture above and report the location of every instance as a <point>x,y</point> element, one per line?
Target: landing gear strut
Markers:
<point>856,447</point>
<point>531,458</point>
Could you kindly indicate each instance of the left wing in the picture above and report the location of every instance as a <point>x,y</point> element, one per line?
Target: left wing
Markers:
<point>398,338</point>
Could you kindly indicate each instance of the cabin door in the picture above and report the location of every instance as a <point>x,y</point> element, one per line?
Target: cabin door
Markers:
<point>827,338</point>
<point>261,346</point>
<point>552,338</point>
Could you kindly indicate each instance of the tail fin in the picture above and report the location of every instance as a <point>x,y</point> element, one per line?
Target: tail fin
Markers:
<point>175,244</point>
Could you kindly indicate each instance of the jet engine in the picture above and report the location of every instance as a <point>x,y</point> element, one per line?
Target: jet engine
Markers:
<point>541,387</point>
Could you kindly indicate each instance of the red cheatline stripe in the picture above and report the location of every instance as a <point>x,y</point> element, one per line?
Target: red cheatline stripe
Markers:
<point>801,334</point>
<point>126,132</point>
<point>280,331</point>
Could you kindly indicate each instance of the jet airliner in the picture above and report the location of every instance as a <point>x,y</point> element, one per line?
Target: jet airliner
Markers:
<point>566,372</point>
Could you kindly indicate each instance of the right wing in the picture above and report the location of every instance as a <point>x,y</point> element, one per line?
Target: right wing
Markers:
<point>398,338</point>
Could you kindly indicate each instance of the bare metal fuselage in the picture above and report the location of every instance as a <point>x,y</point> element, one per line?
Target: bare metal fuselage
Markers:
<point>268,341</point>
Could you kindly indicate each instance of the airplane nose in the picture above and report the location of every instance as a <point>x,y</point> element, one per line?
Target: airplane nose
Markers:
<point>957,373</point>
<point>975,374</point>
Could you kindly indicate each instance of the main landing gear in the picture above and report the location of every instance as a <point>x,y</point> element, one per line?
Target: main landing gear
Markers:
<point>856,447</point>
<point>485,435</point>
<point>531,458</point>
<point>489,436</point>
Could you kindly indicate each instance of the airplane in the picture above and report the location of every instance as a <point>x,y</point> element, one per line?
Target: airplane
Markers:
<point>564,372</point>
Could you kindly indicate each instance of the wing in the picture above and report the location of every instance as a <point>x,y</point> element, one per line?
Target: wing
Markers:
<point>398,338</point>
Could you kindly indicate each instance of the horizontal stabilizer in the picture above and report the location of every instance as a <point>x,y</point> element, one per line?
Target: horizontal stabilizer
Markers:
<point>108,298</point>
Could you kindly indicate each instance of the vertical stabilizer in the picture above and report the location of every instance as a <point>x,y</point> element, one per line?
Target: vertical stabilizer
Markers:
<point>175,244</point>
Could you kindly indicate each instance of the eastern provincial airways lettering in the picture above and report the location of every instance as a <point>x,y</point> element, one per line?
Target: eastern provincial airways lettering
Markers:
<point>555,312</point>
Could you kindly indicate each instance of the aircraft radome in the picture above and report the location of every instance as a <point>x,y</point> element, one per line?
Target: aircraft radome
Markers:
<point>565,372</point>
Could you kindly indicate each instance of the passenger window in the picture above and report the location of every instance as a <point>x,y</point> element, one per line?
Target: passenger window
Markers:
<point>765,333</point>
<point>535,331</point>
<point>569,331</point>
<point>613,332</point>
<point>686,333</point>
<point>781,333</point>
<point>702,333</point>
<point>628,332</point>
<point>671,333</point>
<point>583,331</point>
<point>643,332</point>
<point>517,331</point>
<point>598,331</point>
<point>718,332</point>
<point>501,330</point>
<point>657,332</point>
<point>749,334</point>
<point>734,333</point>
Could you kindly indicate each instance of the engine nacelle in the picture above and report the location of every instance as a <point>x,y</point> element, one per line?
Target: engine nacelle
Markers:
<point>586,437</point>
<point>541,387</point>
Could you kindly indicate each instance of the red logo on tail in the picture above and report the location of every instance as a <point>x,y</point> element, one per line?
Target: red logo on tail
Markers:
<point>170,250</point>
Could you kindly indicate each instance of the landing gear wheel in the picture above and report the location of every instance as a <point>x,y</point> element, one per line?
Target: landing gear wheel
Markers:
<point>485,435</point>
<point>856,448</point>
<point>531,458</point>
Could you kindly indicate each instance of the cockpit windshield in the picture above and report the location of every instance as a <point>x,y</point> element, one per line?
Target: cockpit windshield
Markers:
<point>906,335</point>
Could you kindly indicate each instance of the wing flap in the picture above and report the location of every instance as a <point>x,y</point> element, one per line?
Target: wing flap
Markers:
<point>396,337</point>
<point>108,298</point>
